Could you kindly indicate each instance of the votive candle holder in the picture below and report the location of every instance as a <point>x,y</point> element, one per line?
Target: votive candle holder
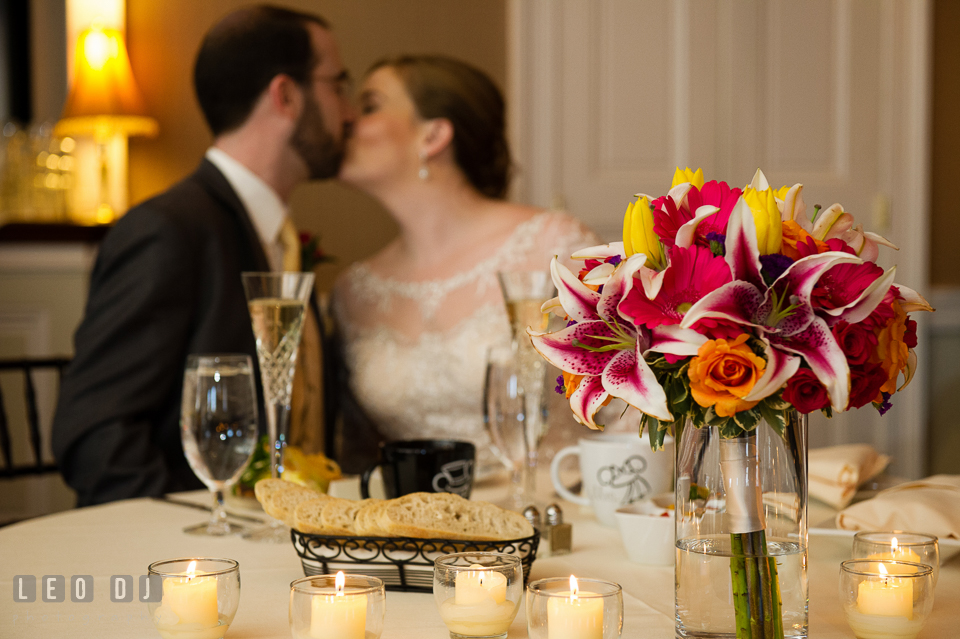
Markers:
<point>199,598</point>
<point>571,608</point>
<point>337,607</point>
<point>478,593</point>
<point>884,599</point>
<point>918,548</point>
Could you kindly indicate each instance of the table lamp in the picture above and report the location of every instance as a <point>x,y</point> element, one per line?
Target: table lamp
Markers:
<point>104,103</point>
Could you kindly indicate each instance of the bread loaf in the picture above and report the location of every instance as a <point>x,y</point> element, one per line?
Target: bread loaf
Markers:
<point>449,516</point>
<point>339,516</point>
<point>308,516</point>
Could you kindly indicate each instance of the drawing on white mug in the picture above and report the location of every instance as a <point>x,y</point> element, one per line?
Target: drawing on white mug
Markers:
<point>454,477</point>
<point>629,476</point>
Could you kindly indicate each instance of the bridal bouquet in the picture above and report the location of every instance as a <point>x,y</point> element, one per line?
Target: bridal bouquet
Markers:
<point>724,307</point>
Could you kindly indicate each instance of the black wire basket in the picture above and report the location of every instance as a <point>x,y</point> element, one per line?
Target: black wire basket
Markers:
<point>403,563</point>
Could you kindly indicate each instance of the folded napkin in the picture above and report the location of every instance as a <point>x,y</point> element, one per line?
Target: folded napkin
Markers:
<point>930,506</point>
<point>837,471</point>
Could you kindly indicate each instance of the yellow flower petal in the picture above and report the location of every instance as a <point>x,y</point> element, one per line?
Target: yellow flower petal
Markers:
<point>627,226</point>
<point>686,175</point>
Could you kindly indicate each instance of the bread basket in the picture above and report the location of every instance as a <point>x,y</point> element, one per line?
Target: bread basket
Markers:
<point>403,563</point>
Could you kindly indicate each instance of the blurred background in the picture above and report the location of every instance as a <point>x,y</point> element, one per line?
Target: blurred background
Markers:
<point>857,99</point>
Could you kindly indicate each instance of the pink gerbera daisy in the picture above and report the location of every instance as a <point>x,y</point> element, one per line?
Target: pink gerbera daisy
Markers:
<point>668,217</point>
<point>692,273</point>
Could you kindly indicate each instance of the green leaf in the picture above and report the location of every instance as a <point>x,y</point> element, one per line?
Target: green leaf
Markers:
<point>775,418</point>
<point>747,419</point>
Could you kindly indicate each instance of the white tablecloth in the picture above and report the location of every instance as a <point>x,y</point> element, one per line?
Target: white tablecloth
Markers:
<point>123,538</point>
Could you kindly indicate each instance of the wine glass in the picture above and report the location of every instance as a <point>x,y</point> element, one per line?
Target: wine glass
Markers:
<point>524,293</point>
<point>503,416</point>
<point>277,303</point>
<point>218,427</point>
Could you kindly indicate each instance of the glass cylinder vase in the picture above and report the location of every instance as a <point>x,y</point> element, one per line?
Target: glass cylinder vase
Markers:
<point>741,517</point>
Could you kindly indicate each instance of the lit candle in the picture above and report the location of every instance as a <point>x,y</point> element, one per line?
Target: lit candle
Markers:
<point>479,607</point>
<point>886,597</point>
<point>338,615</point>
<point>188,607</point>
<point>898,553</point>
<point>576,615</point>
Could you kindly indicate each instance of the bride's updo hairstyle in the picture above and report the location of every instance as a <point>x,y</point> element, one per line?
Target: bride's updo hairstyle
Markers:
<point>442,87</point>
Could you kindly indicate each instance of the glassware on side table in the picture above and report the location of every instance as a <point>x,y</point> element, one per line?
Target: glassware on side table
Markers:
<point>218,427</point>
<point>524,293</point>
<point>503,416</point>
<point>277,303</point>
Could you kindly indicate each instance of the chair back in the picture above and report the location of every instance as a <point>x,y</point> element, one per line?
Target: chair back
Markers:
<point>35,466</point>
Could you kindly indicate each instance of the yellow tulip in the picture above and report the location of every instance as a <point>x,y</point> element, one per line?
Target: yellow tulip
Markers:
<point>766,217</point>
<point>686,175</point>
<point>638,233</point>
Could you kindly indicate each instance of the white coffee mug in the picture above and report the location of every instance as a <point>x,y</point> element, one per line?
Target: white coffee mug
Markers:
<point>617,470</point>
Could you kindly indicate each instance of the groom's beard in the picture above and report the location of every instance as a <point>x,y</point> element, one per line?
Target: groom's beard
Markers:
<point>314,143</point>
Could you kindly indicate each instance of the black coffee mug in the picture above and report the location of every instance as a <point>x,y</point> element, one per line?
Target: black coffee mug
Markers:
<point>424,465</point>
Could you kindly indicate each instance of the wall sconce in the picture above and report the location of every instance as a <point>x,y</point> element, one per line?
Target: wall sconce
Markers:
<point>104,103</point>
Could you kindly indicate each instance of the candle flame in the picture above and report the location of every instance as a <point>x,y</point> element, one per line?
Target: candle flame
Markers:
<point>883,574</point>
<point>481,578</point>
<point>192,569</point>
<point>893,545</point>
<point>340,581</point>
<point>574,588</point>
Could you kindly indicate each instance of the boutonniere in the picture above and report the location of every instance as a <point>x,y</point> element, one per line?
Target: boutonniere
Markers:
<point>311,254</point>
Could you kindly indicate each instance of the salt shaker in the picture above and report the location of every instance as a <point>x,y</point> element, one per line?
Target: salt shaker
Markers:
<point>531,514</point>
<point>559,535</point>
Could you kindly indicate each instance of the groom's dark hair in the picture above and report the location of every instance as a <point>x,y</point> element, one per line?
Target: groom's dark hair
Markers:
<point>243,52</point>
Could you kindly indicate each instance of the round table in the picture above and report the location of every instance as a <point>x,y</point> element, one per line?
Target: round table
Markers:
<point>124,537</point>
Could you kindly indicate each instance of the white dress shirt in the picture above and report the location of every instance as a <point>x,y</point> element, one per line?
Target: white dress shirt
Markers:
<point>267,211</point>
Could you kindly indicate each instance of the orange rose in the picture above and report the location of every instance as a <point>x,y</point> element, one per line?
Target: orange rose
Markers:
<point>723,373</point>
<point>793,233</point>
<point>891,349</point>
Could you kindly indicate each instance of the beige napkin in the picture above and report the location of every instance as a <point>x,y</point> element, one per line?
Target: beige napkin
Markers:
<point>930,505</point>
<point>837,471</point>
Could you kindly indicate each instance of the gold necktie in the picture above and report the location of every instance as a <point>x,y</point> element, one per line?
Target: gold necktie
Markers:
<point>306,401</point>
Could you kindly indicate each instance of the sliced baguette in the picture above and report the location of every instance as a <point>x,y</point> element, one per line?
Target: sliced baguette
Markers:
<point>449,516</point>
<point>367,523</point>
<point>281,503</point>
<point>265,488</point>
<point>308,516</point>
<point>339,516</point>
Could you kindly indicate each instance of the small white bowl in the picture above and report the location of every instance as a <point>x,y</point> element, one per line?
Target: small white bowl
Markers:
<point>648,533</point>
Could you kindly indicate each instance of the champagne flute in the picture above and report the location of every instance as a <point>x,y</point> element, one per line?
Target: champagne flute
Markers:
<point>277,303</point>
<point>503,416</point>
<point>524,293</point>
<point>218,427</point>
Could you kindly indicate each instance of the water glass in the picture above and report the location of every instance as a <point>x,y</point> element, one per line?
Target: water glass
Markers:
<point>918,548</point>
<point>218,426</point>
<point>478,593</point>
<point>587,608</point>
<point>888,599</point>
<point>337,607</point>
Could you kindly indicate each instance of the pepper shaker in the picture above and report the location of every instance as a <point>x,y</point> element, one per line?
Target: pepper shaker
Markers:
<point>558,534</point>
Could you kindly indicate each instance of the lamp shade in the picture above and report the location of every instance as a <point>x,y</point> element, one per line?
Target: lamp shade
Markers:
<point>104,98</point>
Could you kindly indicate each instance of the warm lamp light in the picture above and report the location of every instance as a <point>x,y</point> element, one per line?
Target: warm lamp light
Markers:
<point>104,102</point>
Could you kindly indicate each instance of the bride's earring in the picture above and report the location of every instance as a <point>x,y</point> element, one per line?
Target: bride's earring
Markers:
<point>424,172</point>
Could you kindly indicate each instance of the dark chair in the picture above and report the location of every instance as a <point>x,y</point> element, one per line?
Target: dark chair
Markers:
<point>37,466</point>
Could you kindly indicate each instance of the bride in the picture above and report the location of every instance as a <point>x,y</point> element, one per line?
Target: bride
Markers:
<point>416,319</point>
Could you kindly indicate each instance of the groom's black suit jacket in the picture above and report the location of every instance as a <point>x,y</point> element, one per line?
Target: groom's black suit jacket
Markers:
<point>166,284</point>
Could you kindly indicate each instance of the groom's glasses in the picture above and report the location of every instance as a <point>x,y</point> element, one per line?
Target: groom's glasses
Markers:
<point>342,83</point>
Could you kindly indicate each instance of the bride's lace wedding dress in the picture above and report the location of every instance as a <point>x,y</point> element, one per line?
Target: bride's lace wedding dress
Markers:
<point>416,351</point>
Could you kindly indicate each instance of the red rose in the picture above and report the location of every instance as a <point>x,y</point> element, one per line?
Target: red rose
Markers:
<point>856,342</point>
<point>865,383</point>
<point>805,392</point>
<point>910,335</point>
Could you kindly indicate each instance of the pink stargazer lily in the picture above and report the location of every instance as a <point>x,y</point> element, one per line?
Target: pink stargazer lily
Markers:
<point>607,349</point>
<point>782,314</point>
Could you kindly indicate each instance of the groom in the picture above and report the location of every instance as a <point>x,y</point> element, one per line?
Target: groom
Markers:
<point>166,283</point>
